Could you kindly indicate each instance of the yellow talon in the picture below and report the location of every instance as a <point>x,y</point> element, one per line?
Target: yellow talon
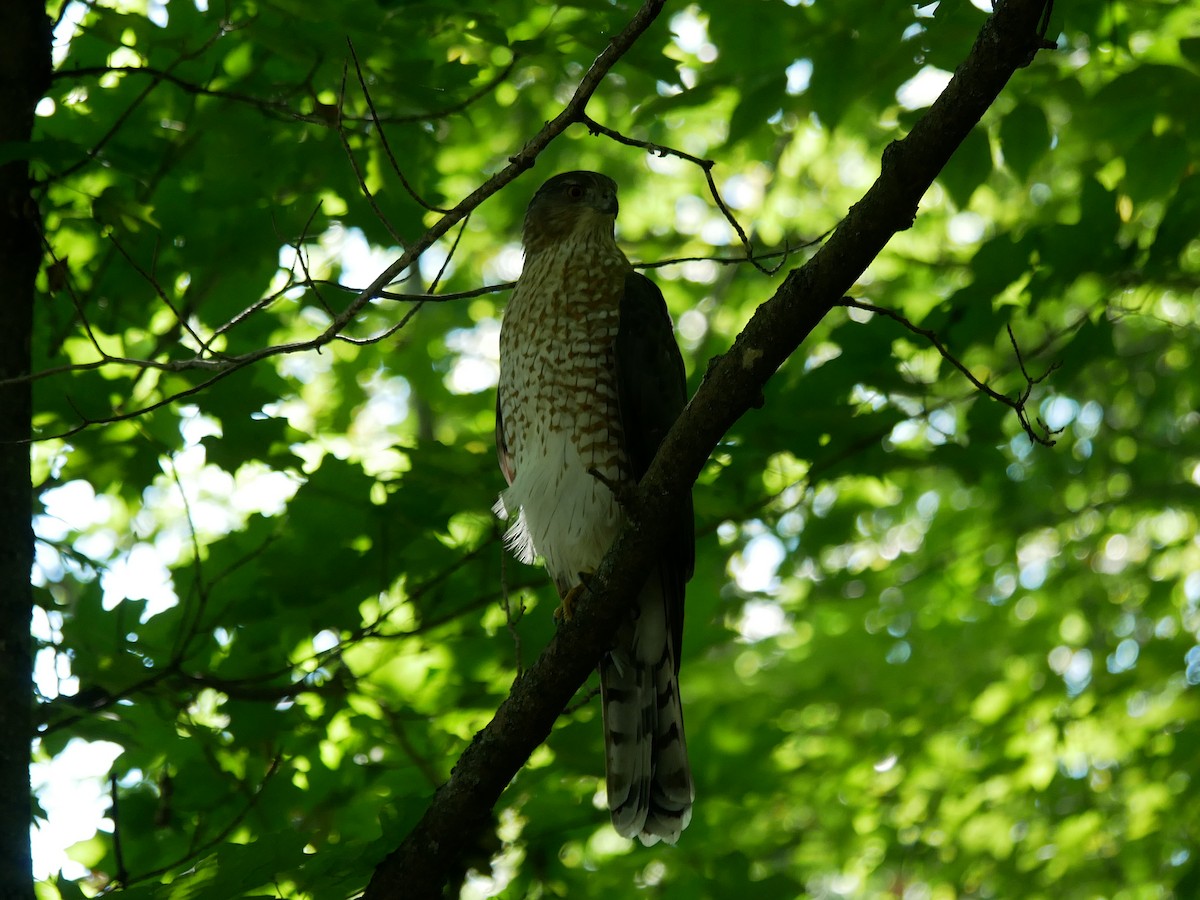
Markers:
<point>564,611</point>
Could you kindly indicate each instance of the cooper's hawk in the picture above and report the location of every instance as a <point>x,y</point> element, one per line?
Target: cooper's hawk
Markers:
<point>590,382</point>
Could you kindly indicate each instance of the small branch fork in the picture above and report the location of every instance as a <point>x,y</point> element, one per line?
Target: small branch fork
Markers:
<point>1043,434</point>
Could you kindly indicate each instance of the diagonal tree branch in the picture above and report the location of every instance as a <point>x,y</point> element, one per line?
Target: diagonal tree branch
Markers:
<point>433,852</point>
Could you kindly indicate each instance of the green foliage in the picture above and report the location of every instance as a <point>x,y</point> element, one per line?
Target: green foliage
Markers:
<point>924,656</point>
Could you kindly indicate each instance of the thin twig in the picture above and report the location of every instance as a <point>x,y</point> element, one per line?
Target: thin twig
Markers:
<point>511,619</point>
<point>278,109</point>
<point>297,246</point>
<point>152,280</point>
<point>123,117</point>
<point>588,696</point>
<point>706,166</point>
<point>661,264</point>
<point>362,82</point>
<point>121,875</point>
<point>77,302</point>
<point>362,181</point>
<point>443,298</point>
<point>302,261</point>
<point>1018,405</point>
<point>484,89</point>
<point>416,308</point>
<point>218,838</point>
<point>189,630</point>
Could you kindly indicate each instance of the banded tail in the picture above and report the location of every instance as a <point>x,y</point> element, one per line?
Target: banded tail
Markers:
<point>650,789</point>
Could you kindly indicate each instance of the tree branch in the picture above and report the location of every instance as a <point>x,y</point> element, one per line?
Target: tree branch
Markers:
<point>461,808</point>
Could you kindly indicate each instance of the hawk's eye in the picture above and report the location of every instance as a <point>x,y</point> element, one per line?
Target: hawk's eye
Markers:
<point>576,191</point>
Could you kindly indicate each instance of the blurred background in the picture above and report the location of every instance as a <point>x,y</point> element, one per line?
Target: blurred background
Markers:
<point>926,655</point>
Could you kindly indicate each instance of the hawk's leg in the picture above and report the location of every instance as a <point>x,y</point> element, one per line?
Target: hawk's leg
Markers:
<point>622,490</point>
<point>566,609</point>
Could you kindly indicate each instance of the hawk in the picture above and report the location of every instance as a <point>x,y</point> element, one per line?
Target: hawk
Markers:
<point>591,380</point>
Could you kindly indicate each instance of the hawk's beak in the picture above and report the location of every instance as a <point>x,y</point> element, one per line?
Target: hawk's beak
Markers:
<point>609,205</point>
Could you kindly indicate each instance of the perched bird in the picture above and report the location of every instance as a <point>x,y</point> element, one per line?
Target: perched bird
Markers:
<point>591,380</point>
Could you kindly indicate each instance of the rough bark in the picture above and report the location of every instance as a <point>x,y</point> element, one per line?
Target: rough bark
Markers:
<point>24,75</point>
<point>449,835</point>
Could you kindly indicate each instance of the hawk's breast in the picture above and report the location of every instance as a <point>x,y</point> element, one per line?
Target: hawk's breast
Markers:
<point>559,405</point>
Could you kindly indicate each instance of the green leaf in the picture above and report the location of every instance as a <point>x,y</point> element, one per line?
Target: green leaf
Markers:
<point>758,103</point>
<point>1024,138</point>
<point>968,168</point>
<point>1155,167</point>
<point>1180,224</point>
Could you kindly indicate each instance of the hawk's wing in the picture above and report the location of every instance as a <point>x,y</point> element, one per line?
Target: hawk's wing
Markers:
<point>508,465</point>
<point>652,392</point>
<point>650,789</point>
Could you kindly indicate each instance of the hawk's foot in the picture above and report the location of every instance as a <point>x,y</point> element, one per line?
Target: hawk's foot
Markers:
<point>566,609</point>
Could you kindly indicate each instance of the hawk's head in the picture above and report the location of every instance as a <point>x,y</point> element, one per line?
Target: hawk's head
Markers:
<point>568,203</point>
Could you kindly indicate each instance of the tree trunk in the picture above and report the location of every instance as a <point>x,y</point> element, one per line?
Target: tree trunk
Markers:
<point>24,75</point>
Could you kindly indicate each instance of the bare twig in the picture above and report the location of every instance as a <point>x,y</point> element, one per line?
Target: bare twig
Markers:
<point>588,696</point>
<point>416,308</point>
<point>1018,405</point>
<point>198,847</point>
<point>341,132</point>
<point>298,248</point>
<point>510,618</point>
<point>121,875</point>
<point>443,298</point>
<point>656,149</point>
<point>453,109</point>
<point>192,618</point>
<point>424,766</point>
<point>781,255</point>
<point>302,262</point>
<point>152,280</point>
<point>77,302</point>
<point>706,166</point>
<point>362,83</point>
<point>121,119</point>
<point>280,110</point>
<point>661,264</point>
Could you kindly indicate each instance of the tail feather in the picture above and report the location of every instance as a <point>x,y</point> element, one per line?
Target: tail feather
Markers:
<point>650,789</point>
